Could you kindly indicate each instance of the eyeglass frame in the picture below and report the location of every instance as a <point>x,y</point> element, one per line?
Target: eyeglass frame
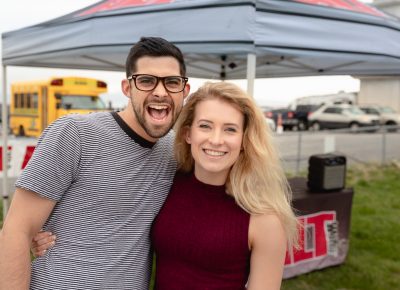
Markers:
<point>134,76</point>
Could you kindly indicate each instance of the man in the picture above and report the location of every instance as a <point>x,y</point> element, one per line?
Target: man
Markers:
<point>97,181</point>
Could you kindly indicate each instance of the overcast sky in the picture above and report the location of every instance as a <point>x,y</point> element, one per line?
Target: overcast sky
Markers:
<point>16,14</point>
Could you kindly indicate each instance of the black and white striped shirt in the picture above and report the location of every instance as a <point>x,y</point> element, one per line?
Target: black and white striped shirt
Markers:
<point>109,185</point>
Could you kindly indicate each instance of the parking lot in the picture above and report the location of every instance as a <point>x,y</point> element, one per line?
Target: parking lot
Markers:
<point>296,147</point>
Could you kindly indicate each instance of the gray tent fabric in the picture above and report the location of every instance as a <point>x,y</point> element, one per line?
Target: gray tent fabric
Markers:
<point>289,38</point>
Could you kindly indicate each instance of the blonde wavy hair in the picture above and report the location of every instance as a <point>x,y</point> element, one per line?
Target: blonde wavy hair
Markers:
<point>256,181</point>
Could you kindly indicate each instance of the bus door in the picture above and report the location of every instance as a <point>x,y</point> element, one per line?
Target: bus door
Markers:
<point>44,108</point>
<point>54,102</point>
<point>58,106</point>
<point>32,103</point>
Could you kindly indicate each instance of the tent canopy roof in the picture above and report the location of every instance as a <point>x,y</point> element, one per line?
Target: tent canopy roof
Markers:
<point>289,38</point>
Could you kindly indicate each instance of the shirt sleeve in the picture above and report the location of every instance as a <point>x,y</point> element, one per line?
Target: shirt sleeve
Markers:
<point>55,162</point>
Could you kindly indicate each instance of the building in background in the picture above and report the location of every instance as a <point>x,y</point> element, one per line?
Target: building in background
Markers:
<point>384,91</point>
<point>340,97</point>
<point>391,7</point>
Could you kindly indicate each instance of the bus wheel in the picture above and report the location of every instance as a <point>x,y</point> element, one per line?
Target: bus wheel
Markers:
<point>21,131</point>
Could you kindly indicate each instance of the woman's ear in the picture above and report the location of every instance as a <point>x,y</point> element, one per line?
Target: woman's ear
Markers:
<point>187,135</point>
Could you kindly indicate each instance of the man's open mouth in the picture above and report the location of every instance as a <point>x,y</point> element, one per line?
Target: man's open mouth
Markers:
<point>158,112</point>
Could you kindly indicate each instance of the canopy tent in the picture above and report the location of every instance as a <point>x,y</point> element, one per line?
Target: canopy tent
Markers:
<point>289,38</point>
<point>220,39</point>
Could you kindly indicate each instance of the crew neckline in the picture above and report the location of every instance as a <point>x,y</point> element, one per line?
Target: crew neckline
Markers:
<point>131,133</point>
<point>210,187</point>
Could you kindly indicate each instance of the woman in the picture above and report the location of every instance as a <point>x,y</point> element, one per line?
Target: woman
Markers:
<point>228,220</point>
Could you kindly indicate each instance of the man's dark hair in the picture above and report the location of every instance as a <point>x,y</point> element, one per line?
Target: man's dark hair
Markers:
<point>153,47</point>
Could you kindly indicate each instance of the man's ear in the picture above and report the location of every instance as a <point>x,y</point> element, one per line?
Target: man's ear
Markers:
<point>186,91</point>
<point>126,88</point>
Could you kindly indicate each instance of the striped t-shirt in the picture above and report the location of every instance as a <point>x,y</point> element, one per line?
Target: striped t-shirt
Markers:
<point>109,184</point>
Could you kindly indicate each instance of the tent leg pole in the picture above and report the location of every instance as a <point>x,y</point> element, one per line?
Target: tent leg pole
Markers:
<point>4,119</point>
<point>251,73</point>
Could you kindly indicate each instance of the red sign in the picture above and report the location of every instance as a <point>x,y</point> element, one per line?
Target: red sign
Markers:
<point>353,5</point>
<point>318,238</point>
<point>28,155</point>
<point>119,4</point>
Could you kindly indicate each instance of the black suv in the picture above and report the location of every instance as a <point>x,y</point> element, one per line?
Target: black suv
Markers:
<point>289,121</point>
<point>302,112</point>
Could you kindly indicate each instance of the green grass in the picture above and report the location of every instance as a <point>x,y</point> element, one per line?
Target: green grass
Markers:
<point>373,262</point>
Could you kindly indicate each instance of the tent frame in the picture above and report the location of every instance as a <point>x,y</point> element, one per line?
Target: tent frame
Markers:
<point>272,43</point>
<point>4,115</point>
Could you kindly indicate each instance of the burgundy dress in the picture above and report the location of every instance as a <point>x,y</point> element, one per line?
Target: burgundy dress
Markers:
<point>200,238</point>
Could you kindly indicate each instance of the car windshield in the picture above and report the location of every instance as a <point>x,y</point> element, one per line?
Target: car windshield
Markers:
<point>307,108</point>
<point>80,102</point>
<point>387,110</point>
<point>353,110</point>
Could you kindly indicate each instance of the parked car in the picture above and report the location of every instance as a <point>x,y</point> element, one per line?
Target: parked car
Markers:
<point>302,112</point>
<point>338,116</point>
<point>387,116</point>
<point>289,121</point>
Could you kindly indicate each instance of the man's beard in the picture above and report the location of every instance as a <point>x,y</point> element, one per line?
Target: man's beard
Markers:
<point>151,130</point>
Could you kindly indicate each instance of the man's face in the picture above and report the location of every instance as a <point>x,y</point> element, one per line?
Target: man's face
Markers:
<point>155,111</point>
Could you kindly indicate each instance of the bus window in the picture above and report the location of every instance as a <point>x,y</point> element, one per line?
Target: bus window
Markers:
<point>35,101</point>
<point>22,101</point>
<point>28,100</point>
<point>79,102</point>
<point>16,101</point>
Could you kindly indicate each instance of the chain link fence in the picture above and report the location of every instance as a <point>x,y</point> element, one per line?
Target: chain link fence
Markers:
<point>378,145</point>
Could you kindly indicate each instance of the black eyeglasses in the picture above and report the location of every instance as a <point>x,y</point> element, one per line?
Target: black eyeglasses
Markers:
<point>173,84</point>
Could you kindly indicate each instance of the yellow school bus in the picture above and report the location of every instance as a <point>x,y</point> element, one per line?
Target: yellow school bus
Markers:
<point>35,104</point>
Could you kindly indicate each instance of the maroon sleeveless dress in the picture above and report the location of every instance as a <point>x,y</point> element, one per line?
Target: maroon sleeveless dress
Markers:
<point>200,238</point>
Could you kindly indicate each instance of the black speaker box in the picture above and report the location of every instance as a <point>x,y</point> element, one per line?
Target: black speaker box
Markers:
<point>326,172</point>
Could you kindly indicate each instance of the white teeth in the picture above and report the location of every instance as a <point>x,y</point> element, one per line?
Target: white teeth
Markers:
<point>214,153</point>
<point>159,107</point>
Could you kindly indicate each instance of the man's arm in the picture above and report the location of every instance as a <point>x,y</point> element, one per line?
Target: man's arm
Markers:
<point>28,212</point>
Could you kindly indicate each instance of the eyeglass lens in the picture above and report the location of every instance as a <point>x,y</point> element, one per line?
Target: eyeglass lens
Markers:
<point>149,82</point>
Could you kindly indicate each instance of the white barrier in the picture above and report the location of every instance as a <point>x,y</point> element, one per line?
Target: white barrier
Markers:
<point>19,152</point>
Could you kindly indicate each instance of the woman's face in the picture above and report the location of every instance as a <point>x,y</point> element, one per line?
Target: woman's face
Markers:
<point>215,138</point>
